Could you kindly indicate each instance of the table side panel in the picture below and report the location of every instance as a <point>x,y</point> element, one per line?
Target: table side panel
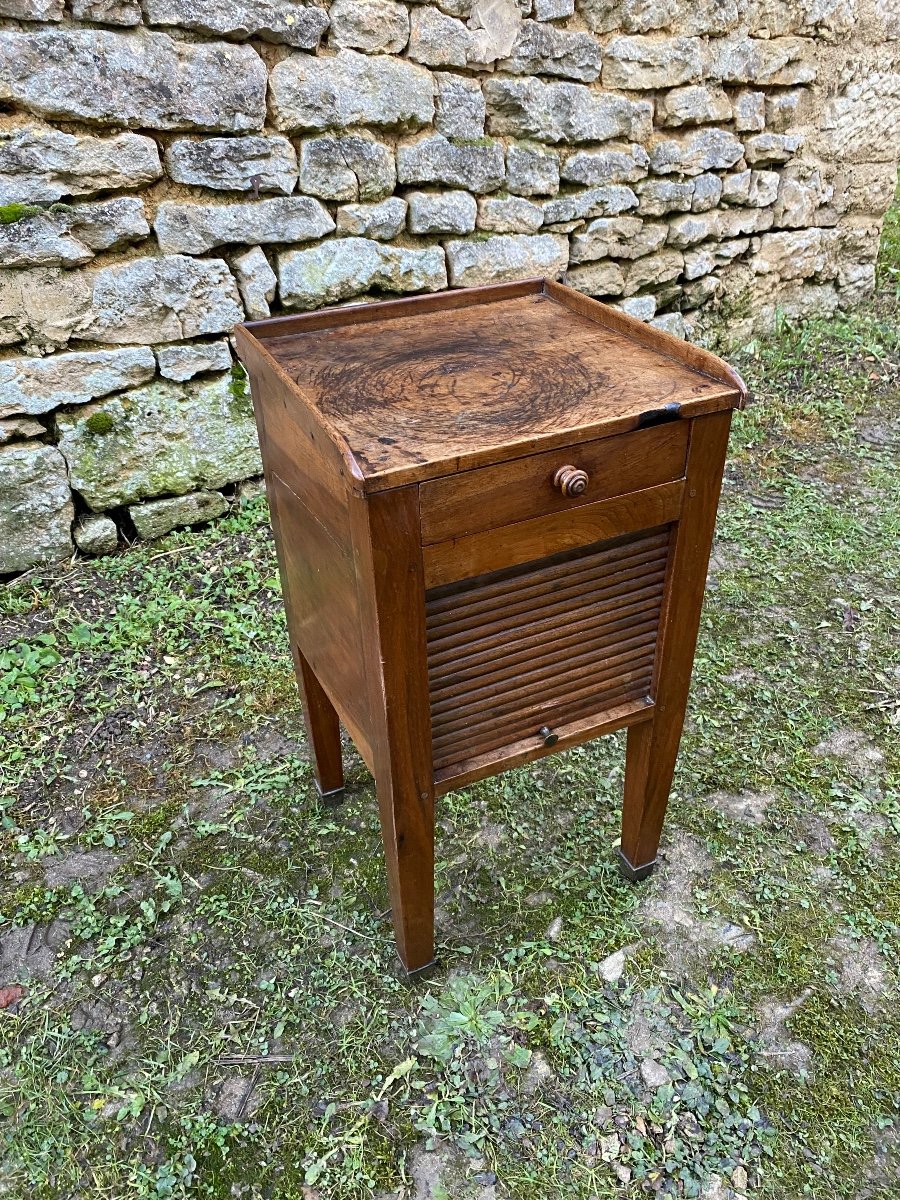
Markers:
<point>309,498</point>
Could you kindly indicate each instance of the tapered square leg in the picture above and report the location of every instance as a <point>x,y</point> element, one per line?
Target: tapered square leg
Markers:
<point>653,744</point>
<point>324,732</point>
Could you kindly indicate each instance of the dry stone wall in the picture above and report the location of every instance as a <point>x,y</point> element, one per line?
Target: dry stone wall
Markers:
<point>170,167</point>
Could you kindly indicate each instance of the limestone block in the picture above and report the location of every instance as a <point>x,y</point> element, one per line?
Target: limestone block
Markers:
<point>607,200</point>
<point>775,62</point>
<point>653,269</point>
<point>143,79</point>
<point>159,440</point>
<point>695,152</point>
<point>20,429</point>
<point>671,323</point>
<point>642,307</point>
<point>352,166</point>
<point>441,212</point>
<point>563,112</point>
<point>96,535</point>
<point>238,164</point>
<point>749,111</point>
<point>42,164</point>
<point>41,307</point>
<point>107,12</point>
<point>736,187</point>
<point>370,25</point>
<point>70,235</point>
<point>505,258</point>
<point>532,170</point>
<point>187,228</point>
<point>434,159</point>
<point>691,228</point>
<point>32,10</point>
<point>439,40</point>
<point>349,88</point>
<point>707,193</point>
<point>695,104</point>
<point>704,259</point>
<point>597,279</point>
<point>300,25</point>
<point>37,385</point>
<point>659,196</point>
<point>158,299</point>
<point>791,255</point>
<point>763,189</point>
<point>553,10</point>
<point>771,147</point>
<point>870,188</point>
<point>649,62</point>
<point>185,360</point>
<point>704,18</point>
<point>612,164</point>
<point>36,507</point>
<point>629,16</point>
<point>545,50</point>
<point>617,237</point>
<point>862,125</point>
<point>512,215</point>
<point>459,106</point>
<point>382,221</point>
<point>774,18</point>
<point>154,518</point>
<point>797,193</point>
<point>785,109</point>
<point>496,24</point>
<point>735,222</point>
<point>344,267</point>
<point>256,281</point>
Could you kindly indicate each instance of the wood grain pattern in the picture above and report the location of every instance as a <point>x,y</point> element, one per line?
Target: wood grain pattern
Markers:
<point>419,390</point>
<point>389,557</point>
<point>622,716</point>
<point>488,497</point>
<point>541,537</point>
<point>653,748</point>
<point>525,650</point>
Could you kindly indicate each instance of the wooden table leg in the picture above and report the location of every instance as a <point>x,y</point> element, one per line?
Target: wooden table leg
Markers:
<point>391,556</point>
<point>324,732</point>
<point>653,745</point>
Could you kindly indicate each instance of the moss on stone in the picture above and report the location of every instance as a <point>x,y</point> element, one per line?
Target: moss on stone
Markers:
<point>100,423</point>
<point>10,213</point>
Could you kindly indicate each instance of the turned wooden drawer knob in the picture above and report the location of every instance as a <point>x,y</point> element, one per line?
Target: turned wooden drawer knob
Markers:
<point>570,480</point>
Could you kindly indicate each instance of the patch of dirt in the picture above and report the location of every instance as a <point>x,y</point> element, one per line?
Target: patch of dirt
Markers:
<point>860,756</point>
<point>777,1043</point>
<point>90,868</point>
<point>861,970</point>
<point>685,936</point>
<point>439,1174</point>
<point>29,951</point>
<point>235,1099</point>
<point>885,1166</point>
<point>743,806</point>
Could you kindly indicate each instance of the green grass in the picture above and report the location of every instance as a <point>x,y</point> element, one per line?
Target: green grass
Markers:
<point>211,1003</point>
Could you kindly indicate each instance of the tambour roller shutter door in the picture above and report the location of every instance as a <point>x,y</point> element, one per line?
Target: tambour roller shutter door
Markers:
<point>547,643</point>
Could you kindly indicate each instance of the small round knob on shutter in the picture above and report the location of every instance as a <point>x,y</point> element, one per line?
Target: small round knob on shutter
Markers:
<point>570,480</point>
<point>550,738</point>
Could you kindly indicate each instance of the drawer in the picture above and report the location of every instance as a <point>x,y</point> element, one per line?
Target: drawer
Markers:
<point>506,493</point>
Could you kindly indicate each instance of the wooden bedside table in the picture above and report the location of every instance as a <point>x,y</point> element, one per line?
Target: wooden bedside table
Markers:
<point>493,512</point>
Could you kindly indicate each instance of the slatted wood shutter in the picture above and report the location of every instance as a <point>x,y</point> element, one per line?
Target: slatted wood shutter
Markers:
<point>545,643</point>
